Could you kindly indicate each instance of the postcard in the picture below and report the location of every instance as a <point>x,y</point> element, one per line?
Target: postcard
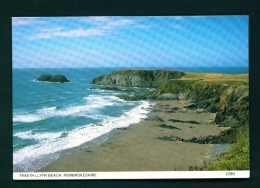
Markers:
<point>130,97</point>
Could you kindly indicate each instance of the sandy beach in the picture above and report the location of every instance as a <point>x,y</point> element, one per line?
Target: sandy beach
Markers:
<point>138,149</point>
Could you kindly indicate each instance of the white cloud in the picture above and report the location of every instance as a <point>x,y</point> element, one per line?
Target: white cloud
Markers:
<point>51,29</point>
<point>97,26</point>
<point>72,33</point>
<point>96,31</point>
<point>117,23</point>
<point>99,19</point>
<point>22,22</point>
<point>16,21</point>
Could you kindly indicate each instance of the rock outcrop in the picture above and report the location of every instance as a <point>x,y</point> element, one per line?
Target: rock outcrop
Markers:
<point>49,78</point>
<point>235,108</point>
<point>229,102</point>
<point>137,77</point>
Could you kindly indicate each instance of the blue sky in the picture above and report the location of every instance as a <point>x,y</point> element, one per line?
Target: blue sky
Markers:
<point>159,41</point>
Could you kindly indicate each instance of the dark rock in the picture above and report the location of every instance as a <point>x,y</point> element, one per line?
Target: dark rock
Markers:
<point>168,126</point>
<point>154,118</point>
<point>227,136</point>
<point>49,78</point>
<point>110,88</point>
<point>193,139</point>
<point>170,111</point>
<point>191,122</point>
<point>170,138</point>
<point>124,128</point>
<point>191,107</point>
<point>175,108</point>
<point>132,98</point>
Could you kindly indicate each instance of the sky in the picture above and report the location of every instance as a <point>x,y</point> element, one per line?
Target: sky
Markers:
<point>130,41</point>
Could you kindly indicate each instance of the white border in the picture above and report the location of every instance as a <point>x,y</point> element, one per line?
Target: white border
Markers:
<point>130,175</point>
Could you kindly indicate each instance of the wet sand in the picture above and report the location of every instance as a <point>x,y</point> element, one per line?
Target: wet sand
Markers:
<point>138,149</point>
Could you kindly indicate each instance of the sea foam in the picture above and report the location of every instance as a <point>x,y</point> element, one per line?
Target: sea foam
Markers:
<point>89,109</point>
<point>32,158</point>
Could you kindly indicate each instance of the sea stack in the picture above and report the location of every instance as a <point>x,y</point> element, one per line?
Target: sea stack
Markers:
<point>49,78</point>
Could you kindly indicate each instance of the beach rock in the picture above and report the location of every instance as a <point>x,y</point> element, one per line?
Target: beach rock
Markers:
<point>137,77</point>
<point>170,111</point>
<point>227,136</point>
<point>191,122</point>
<point>135,97</point>
<point>191,107</point>
<point>170,138</point>
<point>154,118</point>
<point>168,126</point>
<point>49,78</point>
<point>110,88</point>
<point>175,108</point>
<point>224,137</point>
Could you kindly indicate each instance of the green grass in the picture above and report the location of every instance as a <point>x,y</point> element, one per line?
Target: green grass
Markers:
<point>203,88</point>
<point>202,82</point>
<point>237,158</point>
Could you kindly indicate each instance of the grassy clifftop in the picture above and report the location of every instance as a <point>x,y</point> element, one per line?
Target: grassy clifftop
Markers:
<point>137,77</point>
<point>202,82</point>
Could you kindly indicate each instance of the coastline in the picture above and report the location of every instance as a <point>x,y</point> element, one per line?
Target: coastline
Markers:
<point>138,149</point>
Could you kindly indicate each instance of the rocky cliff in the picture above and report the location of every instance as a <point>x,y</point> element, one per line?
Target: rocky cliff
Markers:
<point>137,77</point>
<point>223,94</point>
<point>229,100</point>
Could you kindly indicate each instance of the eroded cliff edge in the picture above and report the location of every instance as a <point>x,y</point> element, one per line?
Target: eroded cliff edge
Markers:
<point>137,77</point>
<point>229,98</point>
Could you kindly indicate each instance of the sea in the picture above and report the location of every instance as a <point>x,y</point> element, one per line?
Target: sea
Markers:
<point>51,120</point>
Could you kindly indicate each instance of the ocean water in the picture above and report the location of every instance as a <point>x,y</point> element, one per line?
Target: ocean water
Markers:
<point>52,118</point>
<point>49,118</point>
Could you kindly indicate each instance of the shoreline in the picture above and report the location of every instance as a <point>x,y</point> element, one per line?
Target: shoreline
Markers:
<point>138,149</point>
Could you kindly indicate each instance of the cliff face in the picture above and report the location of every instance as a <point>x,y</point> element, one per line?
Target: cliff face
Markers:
<point>235,110</point>
<point>230,101</point>
<point>138,78</point>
